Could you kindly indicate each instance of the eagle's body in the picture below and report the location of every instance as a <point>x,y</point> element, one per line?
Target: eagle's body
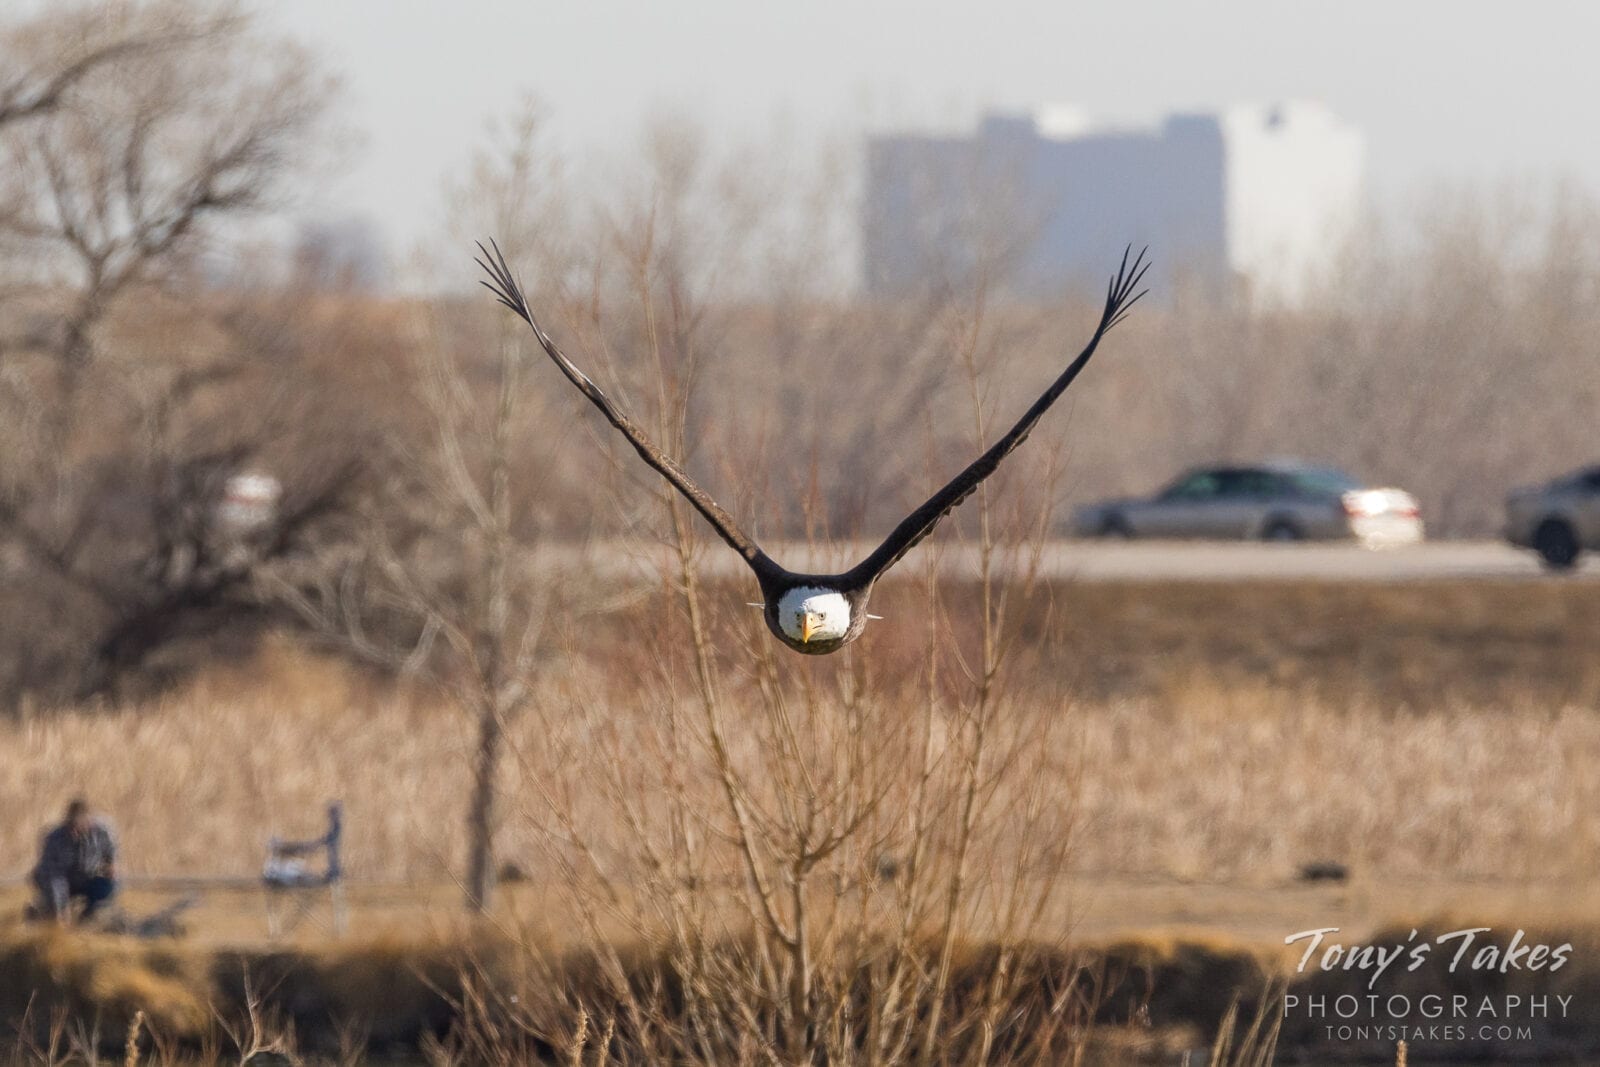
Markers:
<point>817,615</point>
<point>820,613</point>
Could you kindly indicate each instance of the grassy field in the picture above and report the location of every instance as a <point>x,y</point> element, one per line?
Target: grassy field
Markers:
<point>1159,763</point>
<point>1092,908</point>
<point>1195,731</point>
<point>1240,783</point>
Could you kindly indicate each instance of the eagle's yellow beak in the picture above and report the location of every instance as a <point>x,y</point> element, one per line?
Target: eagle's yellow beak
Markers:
<point>805,628</point>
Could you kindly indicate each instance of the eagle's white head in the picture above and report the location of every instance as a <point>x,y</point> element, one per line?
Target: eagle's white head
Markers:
<point>809,614</point>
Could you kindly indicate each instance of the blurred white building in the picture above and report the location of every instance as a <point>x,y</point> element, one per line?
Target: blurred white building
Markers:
<point>1256,195</point>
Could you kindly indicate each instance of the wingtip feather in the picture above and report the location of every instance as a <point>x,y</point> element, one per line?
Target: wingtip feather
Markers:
<point>1127,279</point>
<point>501,282</point>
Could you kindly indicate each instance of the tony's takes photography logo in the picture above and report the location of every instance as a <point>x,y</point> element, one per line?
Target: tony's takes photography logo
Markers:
<point>1459,985</point>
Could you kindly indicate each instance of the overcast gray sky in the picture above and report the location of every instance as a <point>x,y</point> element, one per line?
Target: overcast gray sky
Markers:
<point>1445,90</point>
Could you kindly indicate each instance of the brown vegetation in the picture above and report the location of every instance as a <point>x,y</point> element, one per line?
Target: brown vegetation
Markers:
<point>484,1000</point>
<point>1174,717</point>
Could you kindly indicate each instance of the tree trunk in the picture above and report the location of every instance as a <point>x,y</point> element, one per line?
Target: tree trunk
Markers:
<point>493,654</point>
<point>482,816</point>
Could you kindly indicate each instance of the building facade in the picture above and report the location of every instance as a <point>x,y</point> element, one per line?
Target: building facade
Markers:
<point>1256,196</point>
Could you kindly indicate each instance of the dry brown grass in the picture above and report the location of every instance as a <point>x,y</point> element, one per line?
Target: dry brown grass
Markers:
<point>483,999</point>
<point>198,781</point>
<point>1228,753</point>
<point>1273,756</point>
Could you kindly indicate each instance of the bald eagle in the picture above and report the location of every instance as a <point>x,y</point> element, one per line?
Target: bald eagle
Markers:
<point>819,613</point>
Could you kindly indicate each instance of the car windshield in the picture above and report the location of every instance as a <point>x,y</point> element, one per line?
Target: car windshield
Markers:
<point>1256,481</point>
<point>1253,482</point>
<point>1587,478</point>
<point>1193,485</point>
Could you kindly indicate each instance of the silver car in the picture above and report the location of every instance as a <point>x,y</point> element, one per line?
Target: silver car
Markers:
<point>1267,502</point>
<point>1559,519</point>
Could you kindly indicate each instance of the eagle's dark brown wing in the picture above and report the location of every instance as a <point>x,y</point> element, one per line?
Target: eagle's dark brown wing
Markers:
<point>920,523</point>
<point>505,288</point>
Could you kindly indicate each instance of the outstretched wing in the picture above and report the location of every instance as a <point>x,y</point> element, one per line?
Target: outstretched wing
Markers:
<point>920,523</point>
<point>506,290</point>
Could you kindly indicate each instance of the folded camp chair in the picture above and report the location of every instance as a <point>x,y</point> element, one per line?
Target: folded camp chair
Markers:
<point>294,886</point>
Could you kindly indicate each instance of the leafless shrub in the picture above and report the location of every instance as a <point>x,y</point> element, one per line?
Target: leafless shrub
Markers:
<point>809,882</point>
<point>448,561</point>
<point>132,396</point>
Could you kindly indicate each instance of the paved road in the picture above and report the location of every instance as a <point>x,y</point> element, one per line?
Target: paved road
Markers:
<point>1131,561</point>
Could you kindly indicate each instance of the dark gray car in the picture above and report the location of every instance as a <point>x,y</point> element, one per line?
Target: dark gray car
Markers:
<point>1559,519</point>
<point>1269,501</point>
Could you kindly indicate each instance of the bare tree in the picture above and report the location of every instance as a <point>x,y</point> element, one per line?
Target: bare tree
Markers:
<point>154,147</point>
<point>449,583</point>
<point>47,59</point>
<point>134,399</point>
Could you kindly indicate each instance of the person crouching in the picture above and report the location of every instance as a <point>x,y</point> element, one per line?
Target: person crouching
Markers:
<point>77,862</point>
